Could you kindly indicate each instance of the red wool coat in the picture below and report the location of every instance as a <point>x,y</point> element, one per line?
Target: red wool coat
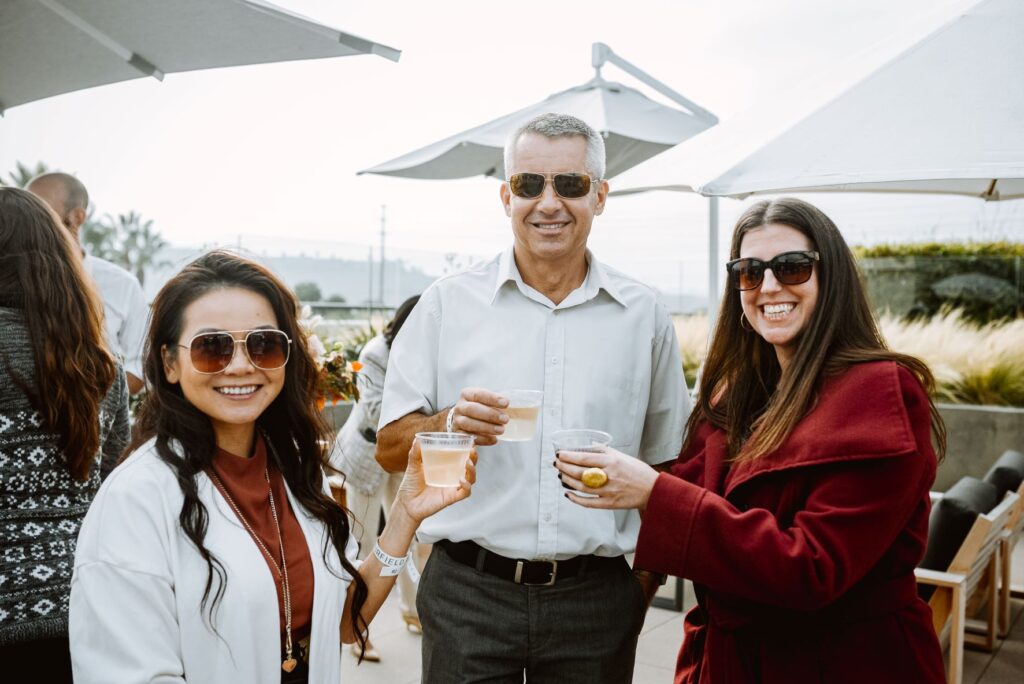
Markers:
<point>803,561</point>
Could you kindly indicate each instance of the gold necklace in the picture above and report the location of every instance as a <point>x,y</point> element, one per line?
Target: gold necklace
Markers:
<point>289,662</point>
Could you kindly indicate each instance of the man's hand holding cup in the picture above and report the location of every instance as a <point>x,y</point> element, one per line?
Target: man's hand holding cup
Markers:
<point>481,413</point>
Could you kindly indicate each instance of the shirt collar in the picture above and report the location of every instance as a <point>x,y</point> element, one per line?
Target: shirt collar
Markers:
<point>507,272</point>
<point>597,279</point>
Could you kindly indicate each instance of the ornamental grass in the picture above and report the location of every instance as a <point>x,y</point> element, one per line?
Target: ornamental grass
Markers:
<point>972,363</point>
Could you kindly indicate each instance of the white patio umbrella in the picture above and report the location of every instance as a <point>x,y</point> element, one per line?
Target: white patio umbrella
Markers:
<point>940,110</point>
<point>634,126</point>
<point>49,47</point>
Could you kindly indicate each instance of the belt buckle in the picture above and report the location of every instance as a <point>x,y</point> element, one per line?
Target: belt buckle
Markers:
<point>518,579</point>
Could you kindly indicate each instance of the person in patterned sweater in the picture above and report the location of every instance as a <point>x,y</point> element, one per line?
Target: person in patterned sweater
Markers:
<point>63,411</point>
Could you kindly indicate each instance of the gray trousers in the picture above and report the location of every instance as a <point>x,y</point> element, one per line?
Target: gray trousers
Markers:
<point>479,628</point>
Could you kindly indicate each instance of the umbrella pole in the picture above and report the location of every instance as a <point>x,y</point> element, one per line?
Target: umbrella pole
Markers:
<point>712,263</point>
<point>712,283</point>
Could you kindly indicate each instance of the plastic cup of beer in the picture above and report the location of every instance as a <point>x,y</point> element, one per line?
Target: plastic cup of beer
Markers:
<point>523,410</point>
<point>588,441</point>
<point>445,455</point>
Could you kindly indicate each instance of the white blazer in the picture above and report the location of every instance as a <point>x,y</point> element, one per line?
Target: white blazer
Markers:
<point>138,581</point>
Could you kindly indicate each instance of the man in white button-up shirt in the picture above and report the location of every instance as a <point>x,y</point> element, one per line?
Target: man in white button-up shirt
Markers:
<point>125,311</point>
<point>522,581</point>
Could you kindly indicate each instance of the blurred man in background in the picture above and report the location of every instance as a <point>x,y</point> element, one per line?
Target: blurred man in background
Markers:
<point>124,305</point>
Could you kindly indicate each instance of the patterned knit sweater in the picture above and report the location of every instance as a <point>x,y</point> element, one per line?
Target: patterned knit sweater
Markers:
<point>41,506</point>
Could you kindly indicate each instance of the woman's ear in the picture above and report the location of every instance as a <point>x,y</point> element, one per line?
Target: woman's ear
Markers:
<point>170,365</point>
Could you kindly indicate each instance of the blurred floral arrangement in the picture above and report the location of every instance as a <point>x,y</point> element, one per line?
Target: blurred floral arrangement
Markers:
<point>337,380</point>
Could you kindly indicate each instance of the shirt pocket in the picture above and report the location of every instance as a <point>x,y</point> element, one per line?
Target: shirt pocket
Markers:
<point>612,404</point>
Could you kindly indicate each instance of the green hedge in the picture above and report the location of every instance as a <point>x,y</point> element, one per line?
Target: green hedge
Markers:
<point>943,249</point>
<point>985,280</point>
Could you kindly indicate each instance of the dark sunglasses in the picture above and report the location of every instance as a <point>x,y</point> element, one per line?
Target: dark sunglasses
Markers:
<point>212,352</point>
<point>567,185</point>
<point>790,268</point>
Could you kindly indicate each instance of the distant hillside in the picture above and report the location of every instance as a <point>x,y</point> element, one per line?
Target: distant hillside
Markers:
<point>683,303</point>
<point>350,279</point>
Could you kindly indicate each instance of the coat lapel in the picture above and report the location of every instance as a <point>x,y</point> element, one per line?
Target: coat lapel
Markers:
<point>828,435</point>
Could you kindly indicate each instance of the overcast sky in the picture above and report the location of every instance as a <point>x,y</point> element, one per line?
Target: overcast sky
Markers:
<point>270,152</point>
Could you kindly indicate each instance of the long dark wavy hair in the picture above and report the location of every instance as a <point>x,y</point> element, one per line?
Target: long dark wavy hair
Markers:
<point>743,390</point>
<point>41,274</point>
<point>297,433</point>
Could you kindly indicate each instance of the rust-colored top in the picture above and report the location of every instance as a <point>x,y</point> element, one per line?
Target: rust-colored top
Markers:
<point>245,482</point>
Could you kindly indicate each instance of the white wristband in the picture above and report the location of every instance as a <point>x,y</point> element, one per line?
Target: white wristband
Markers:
<point>410,569</point>
<point>391,566</point>
<point>449,420</point>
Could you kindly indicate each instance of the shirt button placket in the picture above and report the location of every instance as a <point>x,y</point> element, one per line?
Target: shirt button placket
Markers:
<point>551,420</point>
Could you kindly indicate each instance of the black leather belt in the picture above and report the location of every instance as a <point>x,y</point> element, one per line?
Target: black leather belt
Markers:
<point>522,571</point>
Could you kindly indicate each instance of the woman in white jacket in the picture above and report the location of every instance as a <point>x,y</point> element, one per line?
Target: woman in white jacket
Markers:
<point>214,552</point>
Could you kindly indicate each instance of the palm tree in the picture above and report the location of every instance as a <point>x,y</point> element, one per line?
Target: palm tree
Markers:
<point>127,241</point>
<point>98,238</point>
<point>22,174</point>
<point>137,244</point>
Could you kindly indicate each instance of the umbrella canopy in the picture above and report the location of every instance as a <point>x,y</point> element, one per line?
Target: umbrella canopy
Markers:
<point>634,127</point>
<point>940,111</point>
<point>49,47</point>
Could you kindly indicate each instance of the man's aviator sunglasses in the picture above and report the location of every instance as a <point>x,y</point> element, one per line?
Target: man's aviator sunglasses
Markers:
<point>790,268</point>
<point>212,352</point>
<point>567,185</point>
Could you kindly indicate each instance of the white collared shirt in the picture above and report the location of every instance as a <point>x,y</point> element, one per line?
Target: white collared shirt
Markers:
<point>606,358</point>
<point>125,311</point>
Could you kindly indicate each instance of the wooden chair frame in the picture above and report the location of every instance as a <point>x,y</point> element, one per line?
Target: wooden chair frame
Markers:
<point>1008,540</point>
<point>972,577</point>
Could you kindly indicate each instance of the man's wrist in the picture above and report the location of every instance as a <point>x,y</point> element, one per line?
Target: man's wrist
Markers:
<point>650,582</point>
<point>651,576</point>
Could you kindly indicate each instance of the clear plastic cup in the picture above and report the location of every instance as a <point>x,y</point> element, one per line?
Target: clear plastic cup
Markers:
<point>445,455</point>
<point>523,409</point>
<point>590,441</point>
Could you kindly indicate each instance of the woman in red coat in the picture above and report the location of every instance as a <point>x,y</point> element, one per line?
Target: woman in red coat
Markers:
<point>799,504</point>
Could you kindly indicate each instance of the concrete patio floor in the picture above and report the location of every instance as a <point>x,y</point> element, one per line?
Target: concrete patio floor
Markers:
<point>659,642</point>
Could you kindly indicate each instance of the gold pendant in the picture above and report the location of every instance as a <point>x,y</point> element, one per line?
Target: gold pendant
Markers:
<point>289,664</point>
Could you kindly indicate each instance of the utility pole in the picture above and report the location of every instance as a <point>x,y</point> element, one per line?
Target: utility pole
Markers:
<point>383,235</point>
<point>712,261</point>
<point>369,286</point>
<point>398,282</point>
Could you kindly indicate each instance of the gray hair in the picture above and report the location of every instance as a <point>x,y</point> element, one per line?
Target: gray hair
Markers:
<point>75,194</point>
<point>552,125</point>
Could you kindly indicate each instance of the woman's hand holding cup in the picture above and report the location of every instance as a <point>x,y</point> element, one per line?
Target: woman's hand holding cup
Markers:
<point>627,481</point>
<point>421,500</point>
